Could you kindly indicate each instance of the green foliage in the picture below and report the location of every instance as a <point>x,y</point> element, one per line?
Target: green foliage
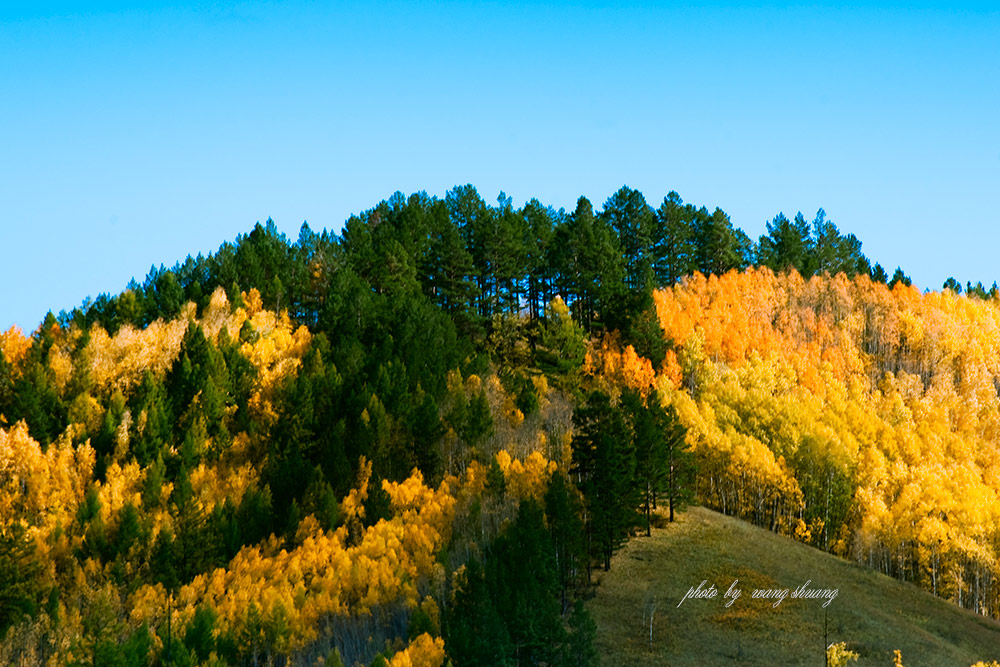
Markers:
<point>199,637</point>
<point>151,400</point>
<point>522,574</point>
<point>162,561</point>
<point>634,222</point>
<point>91,525</point>
<point>478,423</point>
<point>879,275</point>
<point>137,648</point>
<point>20,586</point>
<point>644,332</point>
<point>129,530</point>
<point>818,248</point>
<point>899,277</point>
<point>679,474</point>
<point>604,461</point>
<point>787,245</point>
<point>476,635</point>
<point>321,501</point>
<point>561,345</point>
<point>496,482</point>
<point>563,512</point>
<point>421,622</point>
<point>507,610</point>
<point>31,394</point>
<point>580,650</point>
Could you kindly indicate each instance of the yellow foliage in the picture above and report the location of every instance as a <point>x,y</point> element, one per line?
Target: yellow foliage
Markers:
<point>423,651</point>
<point>212,484</point>
<point>275,354</point>
<point>86,411</point>
<point>61,365</point>
<point>118,363</point>
<point>837,655</point>
<point>894,393</point>
<point>324,576</point>
<point>121,486</point>
<point>218,315</point>
<point>354,504</point>
<point>253,302</point>
<point>529,478</point>
<point>14,345</point>
<point>42,489</point>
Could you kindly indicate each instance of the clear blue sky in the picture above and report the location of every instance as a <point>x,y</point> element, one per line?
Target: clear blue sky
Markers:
<point>137,133</point>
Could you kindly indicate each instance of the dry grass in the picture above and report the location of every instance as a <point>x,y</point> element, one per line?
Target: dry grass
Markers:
<point>872,613</point>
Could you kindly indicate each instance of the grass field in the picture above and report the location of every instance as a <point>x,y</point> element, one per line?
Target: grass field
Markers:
<point>871,612</point>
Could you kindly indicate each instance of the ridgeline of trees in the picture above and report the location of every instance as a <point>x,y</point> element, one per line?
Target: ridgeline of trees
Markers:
<point>473,262</point>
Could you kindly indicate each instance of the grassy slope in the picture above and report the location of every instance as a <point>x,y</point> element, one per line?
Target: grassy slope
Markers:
<point>872,613</point>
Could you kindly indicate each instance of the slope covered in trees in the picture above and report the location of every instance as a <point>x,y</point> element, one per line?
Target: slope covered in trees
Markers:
<point>351,447</point>
<point>858,418</point>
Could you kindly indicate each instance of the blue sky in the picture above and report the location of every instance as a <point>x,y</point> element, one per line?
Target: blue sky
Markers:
<point>134,134</point>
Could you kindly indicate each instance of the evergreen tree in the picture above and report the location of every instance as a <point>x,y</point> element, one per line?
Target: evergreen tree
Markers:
<point>450,272</point>
<point>562,509</point>
<point>786,245</point>
<point>952,285</point>
<point>540,223</point>
<point>580,649</point>
<point>674,248</point>
<point>680,470</point>
<point>879,275</point>
<point>478,425</point>
<point>470,215</point>
<point>604,462</point>
<point>899,277</point>
<point>650,450</point>
<point>525,588</point>
<point>719,246</point>
<point>476,635</point>
<point>631,218</point>
<point>199,638</point>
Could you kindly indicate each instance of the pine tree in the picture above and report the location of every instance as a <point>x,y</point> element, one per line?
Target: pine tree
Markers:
<point>674,249</point>
<point>678,477</point>
<point>476,635</point>
<point>604,463</point>
<point>524,586</point>
<point>630,216</point>
<point>787,244</point>
<point>562,510</point>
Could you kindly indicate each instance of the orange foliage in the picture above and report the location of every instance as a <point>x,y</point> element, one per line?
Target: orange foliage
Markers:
<point>893,391</point>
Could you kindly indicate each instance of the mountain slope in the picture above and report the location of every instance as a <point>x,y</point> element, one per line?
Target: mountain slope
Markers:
<point>873,613</point>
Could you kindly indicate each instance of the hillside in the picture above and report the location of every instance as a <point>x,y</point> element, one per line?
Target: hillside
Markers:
<point>873,613</point>
<point>352,448</point>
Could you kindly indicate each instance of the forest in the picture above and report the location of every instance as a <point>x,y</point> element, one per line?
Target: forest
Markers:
<point>419,441</point>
